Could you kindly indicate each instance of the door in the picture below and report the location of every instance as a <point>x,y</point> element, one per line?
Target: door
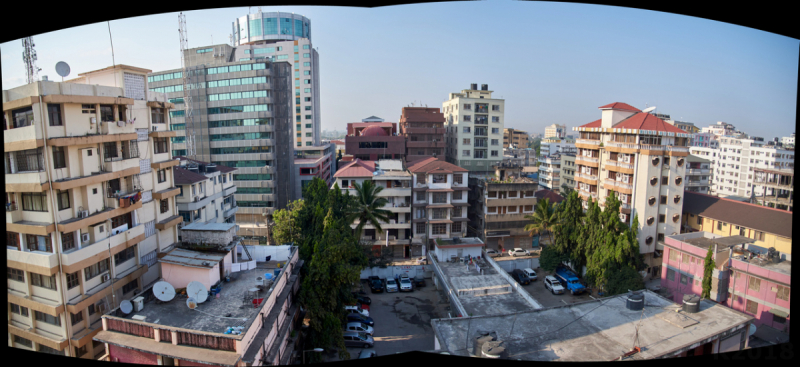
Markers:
<point>460,253</point>
<point>406,251</point>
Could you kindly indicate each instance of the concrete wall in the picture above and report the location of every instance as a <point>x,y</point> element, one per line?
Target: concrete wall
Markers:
<point>278,253</point>
<point>214,237</point>
<point>442,284</point>
<point>390,271</point>
<point>517,287</point>
<point>509,265</point>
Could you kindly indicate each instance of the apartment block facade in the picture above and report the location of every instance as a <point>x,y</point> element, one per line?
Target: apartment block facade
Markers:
<point>517,138</point>
<point>568,170</point>
<point>89,203</point>
<point>474,128</point>
<point>698,174</point>
<point>424,131</point>
<point>736,160</point>
<point>439,200</point>
<point>206,192</point>
<point>642,160</point>
<point>555,131</point>
<point>550,172</point>
<point>777,187</point>
<point>374,140</point>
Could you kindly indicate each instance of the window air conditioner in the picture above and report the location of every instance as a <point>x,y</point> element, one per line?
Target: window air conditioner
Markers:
<point>83,214</point>
<point>84,237</point>
<point>155,128</point>
<point>106,277</point>
<point>93,120</point>
<point>196,199</point>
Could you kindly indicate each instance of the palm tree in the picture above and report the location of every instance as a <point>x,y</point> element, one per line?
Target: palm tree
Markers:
<point>368,207</point>
<point>543,219</point>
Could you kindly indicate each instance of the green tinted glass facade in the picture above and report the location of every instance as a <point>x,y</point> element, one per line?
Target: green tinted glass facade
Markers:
<point>255,27</point>
<point>270,26</point>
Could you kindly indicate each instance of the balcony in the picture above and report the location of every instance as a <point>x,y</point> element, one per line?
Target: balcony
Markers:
<point>586,195</point>
<point>425,131</point>
<point>30,181</point>
<point>676,149</point>
<point>698,171</point>
<point>507,217</point>
<point>117,164</point>
<point>230,210</point>
<point>481,109</point>
<point>591,178</point>
<point>592,144</point>
<point>697,183</point>
<point>92,139</point>
<point>13,213</point>
<point>74,224</point>
<point>22,138</point>
<point>34,261</point>
<point>85,255</point>
<point>549,168</point>
<point>167,193</point>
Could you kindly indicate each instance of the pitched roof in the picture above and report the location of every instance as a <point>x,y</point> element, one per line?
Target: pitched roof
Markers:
<point>595,123</point>
<point>431,164</point>
<point>547,194</point>
<point>185,177</point>
<point>356,168</point>
<point>620,106</point>
<point>757,217</point>
<point>221,168</point>
<point>374,131</point>
<point>646,121</point>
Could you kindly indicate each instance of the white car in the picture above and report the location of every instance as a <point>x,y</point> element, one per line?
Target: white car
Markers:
<point>530,272</point>
<point>518,252</point>
<point>357,309</point>
<point>405,283</point>
<point>391,285</point>
<point>492,252</point>
<point>551,283</point>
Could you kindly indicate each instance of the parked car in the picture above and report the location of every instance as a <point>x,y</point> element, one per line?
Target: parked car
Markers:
<point>357,339</point>
<point>391,285</point>
<point>356,317</point>
<point>405,284</point>
<point>569,280</point>
<point>531,274</point>
<point>419,281</point>
<point>367,353</point>
<point>363,300</point>
<point>356,309</point>
<point>359,327</point>
<point>375,284</point>
<point>520,276</point>
<point>493,253</point>
<point>363,306</point>
<point>518,252</point>
<point>551,283</point>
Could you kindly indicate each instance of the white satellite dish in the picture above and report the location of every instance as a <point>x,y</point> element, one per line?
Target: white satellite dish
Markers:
<point>62,68</point>
<point>198,291</point>
<point>164,291</point>
<point>752,330</point>
<point>126,306</point>
<point>648,109</point>
<point>191,303</point>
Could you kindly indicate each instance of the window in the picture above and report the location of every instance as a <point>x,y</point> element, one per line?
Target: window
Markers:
<point>751,307</point>
<point>58,157</point>
<point>755,284</point>
<point>16,274</point>
<point>43,281</point>
<point>456,227</point>
<point>43,317</point>
<point>39,243</point>
<point>673,255</point>
<point>125,255</point>
<point>420,228</point>
<point>466,141</point>
<point>466,129</point>
<point>719,226</point>
<point>62,198</point>
<point>671,274</point>
<point>759,236</point>
<point>494,153</point>
<point>22,341</point>
<point>664,180</point>
<point>439,197</point>
<point>130,286</point>
<point>685,258</point>
<point>783,293</point>
<point>439,228</point>
<point>685,279</point>
<point>465,153</point>
<point>96,269</point>
<point>699,220</point>
<point>72,280</point>
<point>420,196</point>
<point>160,145</point>
<point>495,130</point>
<point>458,178</point>
<point>162,175</point>
<point>68,241</point>
<point>164,206</point>
<point>660,237</point>
<point>495,142</point>
<point>661,218</point>
<point>34,201</point>
<point>19,310</point>
<point>307,55</point>
<point>76,317</point>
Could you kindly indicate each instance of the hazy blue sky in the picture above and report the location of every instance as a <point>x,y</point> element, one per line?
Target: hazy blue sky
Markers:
<point>551,62</point>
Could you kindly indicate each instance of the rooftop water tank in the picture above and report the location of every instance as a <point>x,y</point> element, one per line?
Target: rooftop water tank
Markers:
<point>691,303</point>
<point>635,301</point>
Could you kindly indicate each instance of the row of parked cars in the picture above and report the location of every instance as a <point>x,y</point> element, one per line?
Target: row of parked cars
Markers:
<point>401,283</point>
<point>527,275</point>
<point>359,327</point>
<point>513,252</point>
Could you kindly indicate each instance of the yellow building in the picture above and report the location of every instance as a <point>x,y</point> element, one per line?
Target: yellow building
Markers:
<point>517,138</point>
<point>769,227</point>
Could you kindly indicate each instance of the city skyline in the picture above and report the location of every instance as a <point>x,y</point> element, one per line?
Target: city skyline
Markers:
<point>694,69</point>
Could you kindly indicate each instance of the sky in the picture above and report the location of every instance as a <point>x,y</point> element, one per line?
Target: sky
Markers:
<point>551,62</point>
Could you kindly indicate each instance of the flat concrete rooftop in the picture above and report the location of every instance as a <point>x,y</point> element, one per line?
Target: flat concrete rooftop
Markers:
<point>215,314</point>
<point>599,330</point>
<point>483,294</point>
<point>723,243</point>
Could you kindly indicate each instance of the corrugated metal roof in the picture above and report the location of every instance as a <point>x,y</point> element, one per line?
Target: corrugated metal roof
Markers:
<point>195,259</point>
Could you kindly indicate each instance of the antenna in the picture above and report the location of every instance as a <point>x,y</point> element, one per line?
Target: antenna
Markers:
<point>29,56</point>
<point>163,291</point>
<point>62,68</point>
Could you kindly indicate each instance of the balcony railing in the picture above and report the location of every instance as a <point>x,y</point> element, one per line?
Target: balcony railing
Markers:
<point>588,141</point>
<point>586,176</point>
<point>581,158</point>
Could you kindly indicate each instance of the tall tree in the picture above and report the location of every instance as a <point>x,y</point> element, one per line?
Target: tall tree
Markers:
<point>566,190</point>
<point>287,224</point>
<point>708,273</point>
<point>369,207</point>
<point>551,257</point>
<point>543,219</point>
<point>566,235</point>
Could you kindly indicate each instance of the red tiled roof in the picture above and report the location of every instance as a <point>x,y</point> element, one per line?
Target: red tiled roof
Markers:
<point>757,217</point>
<point>547,194</point>
<point>620,106</point>
<point>337,142</point>
<point>184,177</point>
<point>431,164</point>
<point>646,121</point>
<point>356,168</point>
<point>595,123</point>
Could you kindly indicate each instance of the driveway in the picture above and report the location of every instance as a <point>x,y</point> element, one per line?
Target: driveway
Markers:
<point>537,290</point>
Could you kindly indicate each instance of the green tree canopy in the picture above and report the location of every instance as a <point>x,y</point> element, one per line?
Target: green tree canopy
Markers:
<point>550,258</point>
<point>708,272</point>
<point>368,208</point>
<point>566,235</point>
<point>543,219</point>
<point>287,225</point>
<point>622,279</point>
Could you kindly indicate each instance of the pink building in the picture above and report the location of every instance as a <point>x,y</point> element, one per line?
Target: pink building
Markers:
<point>745,278</point>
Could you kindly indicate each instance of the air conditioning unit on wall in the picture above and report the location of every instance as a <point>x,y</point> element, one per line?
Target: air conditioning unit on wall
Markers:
<point>84,237</point>
<point>106,277</point>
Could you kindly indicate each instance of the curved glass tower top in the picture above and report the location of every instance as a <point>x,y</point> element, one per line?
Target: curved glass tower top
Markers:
<point>272,26</point>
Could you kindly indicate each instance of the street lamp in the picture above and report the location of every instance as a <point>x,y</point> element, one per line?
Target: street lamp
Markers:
<point>317,350</point>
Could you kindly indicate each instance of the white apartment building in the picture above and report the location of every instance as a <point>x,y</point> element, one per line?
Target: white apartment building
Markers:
<point>550,146</point>
<point>555,131</point>
<point>643,160</point>
<point>474,128</point>
<point>550,172</point>
<point>89,204</point>
<point>206,192</point>
<point>396,183</point>
<point>737,157</point>
<point>788,140</point>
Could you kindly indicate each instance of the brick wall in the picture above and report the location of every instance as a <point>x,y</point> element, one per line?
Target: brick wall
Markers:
<point>125,355</point>
<point>190,363</point>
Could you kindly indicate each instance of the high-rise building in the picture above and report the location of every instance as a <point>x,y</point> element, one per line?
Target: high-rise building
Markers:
<point>555,131</point>
<point>698,174</point>
<point>89,204</point>
<point>474,129</point>
<point>568,170</point>
<point>642,159</point>
<point>423,129</point>
<point>738,157</point>
<point>517,138</point>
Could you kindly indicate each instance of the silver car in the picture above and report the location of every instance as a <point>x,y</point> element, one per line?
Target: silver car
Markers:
<point>391,285</point>
<point>551,283</point>
<point>358,339</point>
<point>405,284</point>
<point>359,327</point>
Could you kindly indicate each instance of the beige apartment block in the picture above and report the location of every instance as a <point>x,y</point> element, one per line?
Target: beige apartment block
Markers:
<point>474,128</point>
<point>517,138</point>
<point>88,203</point>
<point>642,159</point>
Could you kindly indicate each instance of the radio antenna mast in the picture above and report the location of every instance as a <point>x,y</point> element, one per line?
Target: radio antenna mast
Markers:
<point>29,56</point>
<point>191,150</point>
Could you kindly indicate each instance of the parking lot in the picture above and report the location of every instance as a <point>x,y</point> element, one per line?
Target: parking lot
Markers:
<point>541,294</point>
<point>402,321</point>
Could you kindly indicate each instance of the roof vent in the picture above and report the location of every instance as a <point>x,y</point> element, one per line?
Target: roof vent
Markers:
<point>691,303</point>
<point>635,301</point>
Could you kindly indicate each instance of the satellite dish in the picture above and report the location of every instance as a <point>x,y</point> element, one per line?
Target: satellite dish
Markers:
<point>752,330</point>
<point>198,291</point>
<point>191,303</point>
<point>648,109</point>
<point>62,68</point>
<point>126,306</point>
<point>164,291</point>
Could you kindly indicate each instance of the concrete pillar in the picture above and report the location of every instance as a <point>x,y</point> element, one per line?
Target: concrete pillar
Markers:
<point>157,337</point>
<point>175,340</point>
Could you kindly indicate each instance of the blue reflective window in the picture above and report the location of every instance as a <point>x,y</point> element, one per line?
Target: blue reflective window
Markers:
<point>296,48</point>
<point>306,47</point>
<point>298,28</point>
<point>307,31</point>
<point>306,64</point>
<point>255,27</point>
<point>247,67</point>
<point>286,26</point>
<point>205,50</point>
<point>296,57</point>
<point>233,68</point>
<point>245,59</point>
<point>259,66</point>
<point>282,57</point>
<point>247,51</point>
<point>270,26</point>
<point>266,50</point>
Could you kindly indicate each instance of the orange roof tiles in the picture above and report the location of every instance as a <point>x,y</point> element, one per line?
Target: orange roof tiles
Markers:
<point>646,121</point>
<point>432,164</point>
<point>620,106</point>
<point>356,168</point>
